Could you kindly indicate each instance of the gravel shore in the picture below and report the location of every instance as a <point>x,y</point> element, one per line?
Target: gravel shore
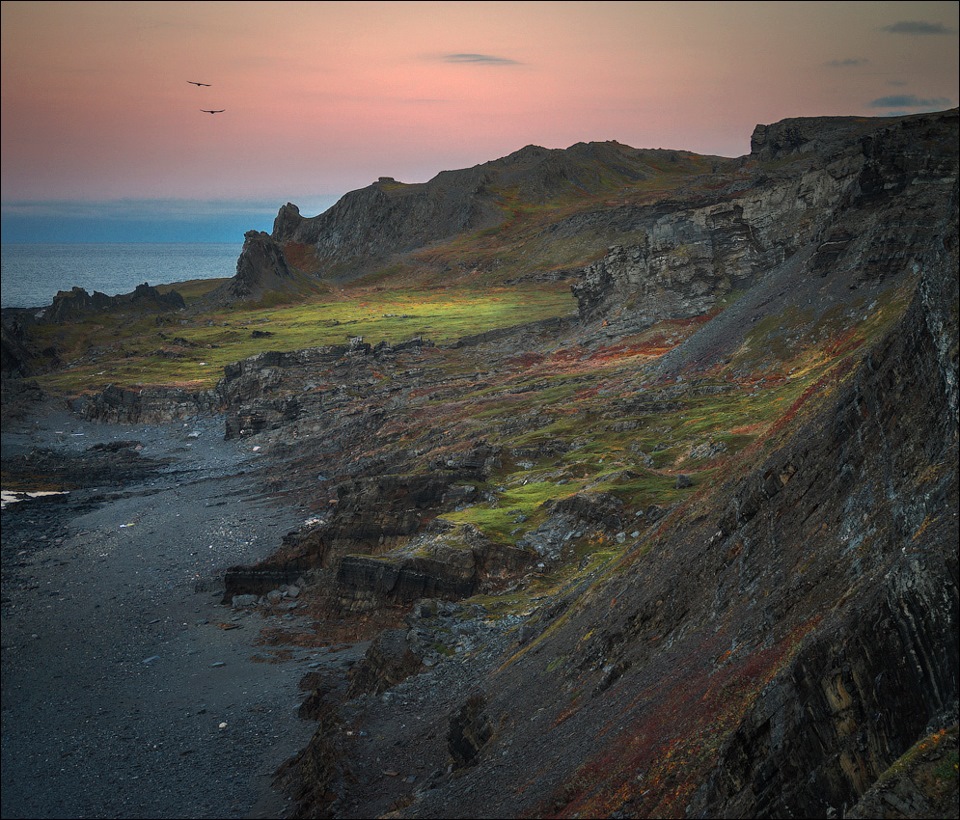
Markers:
<point>129,690</point>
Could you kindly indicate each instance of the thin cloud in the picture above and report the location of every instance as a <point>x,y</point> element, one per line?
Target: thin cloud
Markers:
<point>478,59</point>
<point>917,27</point>
<point>909,101</point>
<point>849,62</point>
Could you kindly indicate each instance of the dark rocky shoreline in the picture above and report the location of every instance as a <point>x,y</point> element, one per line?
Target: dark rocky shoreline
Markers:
<point>611,566</point>
<point>119,661</point>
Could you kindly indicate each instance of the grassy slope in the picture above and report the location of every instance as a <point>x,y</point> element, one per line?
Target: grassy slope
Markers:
<point>572,419</point>
<point>452,289</point>
<point>578,404</point>
<point>586,402</point>
<point>191,350</point>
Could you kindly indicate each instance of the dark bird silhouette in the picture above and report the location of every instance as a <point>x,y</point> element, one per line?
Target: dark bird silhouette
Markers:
<point>213,111</point>
<point>207,85</point>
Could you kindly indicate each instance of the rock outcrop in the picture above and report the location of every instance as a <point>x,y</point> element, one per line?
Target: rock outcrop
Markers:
<point>692,257</point>
<point>444,561</point>
<point>701,569</point>
<point>145,405</point>
<point>262,272</point>
<point>75,304</point>
<point>15,355</point>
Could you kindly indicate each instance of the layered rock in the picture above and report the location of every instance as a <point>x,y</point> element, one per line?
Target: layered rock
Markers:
<point>884,664</point>
<point>271,389</point>
<point>445,561</point>
<point>694,256</point>
<point>144,405</point>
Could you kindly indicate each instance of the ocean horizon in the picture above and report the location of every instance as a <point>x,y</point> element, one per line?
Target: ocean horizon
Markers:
<point>31,274</point>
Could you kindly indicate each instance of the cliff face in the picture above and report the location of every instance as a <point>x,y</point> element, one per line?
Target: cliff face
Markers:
<point>828,198</point>
<point>691,552</point>
<point>262,271</point>
<point>778,646</point>
<point>387,218</point>
<point>879,671</point>
<point>368,228</point>
<point>777,642</point>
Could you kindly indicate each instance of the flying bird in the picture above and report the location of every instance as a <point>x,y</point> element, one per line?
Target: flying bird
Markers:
<point>213,111</point>
<point>207,85</point>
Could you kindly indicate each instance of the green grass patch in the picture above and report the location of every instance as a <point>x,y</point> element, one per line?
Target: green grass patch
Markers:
<point>643,490</point>
<point>518,510</point>
<point>181,349</point>
<point>193,289</point>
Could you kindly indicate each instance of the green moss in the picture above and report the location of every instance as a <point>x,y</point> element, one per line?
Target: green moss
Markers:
<point>556,663</point>
<point>946,769</point>
<point>112,348</point>
<point>517,510</point>
<point>442,649</point>
<point>641,491</point>
<point>936,777</point>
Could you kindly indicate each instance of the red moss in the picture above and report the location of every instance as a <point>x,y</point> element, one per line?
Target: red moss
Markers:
<point>668,737</point>
<point>845,343</point>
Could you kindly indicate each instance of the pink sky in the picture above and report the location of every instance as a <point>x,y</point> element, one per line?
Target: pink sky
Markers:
<point>322,98</point>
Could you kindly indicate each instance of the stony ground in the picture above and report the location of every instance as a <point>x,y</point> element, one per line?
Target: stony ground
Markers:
<point>129,690</point>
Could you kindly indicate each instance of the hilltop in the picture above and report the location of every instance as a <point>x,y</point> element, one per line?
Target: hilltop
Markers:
<point>634,473</point>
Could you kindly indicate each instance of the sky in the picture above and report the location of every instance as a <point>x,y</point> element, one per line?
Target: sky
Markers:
<point>104,137</point>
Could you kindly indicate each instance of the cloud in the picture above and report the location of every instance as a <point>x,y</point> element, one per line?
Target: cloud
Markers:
<point>917,27</point>
<point>478,59</point>
<point>909,101</point>
<point>849,62</point>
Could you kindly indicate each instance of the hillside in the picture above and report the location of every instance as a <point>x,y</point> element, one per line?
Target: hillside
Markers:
<point>684,544</point>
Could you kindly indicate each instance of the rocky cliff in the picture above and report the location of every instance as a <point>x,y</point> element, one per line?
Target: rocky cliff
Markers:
<point>391,217</point>
<point>384,222</point>
<point>262,275</point>
<point>772,645</point>
<point>76,304</point>
<point>693,256</point>
<point>690,552</point>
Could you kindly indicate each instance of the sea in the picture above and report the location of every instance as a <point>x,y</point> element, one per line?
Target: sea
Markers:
<point>31,275</point>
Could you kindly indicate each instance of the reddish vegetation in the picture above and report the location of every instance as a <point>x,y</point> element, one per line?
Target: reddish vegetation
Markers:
<point>846,342</point>
<point>524,360</point>
<point>827,382</point>
<point>660,757</point>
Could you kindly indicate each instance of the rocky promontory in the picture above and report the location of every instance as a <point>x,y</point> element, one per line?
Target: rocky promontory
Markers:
<point>690,551</point>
